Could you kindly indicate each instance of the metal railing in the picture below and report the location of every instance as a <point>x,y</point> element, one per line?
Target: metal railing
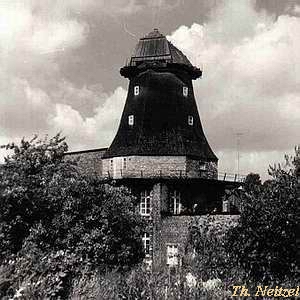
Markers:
<point>231,177</point>
<point>174,174</point>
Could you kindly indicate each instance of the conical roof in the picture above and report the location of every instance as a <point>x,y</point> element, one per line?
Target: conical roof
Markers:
<point>155,47</point>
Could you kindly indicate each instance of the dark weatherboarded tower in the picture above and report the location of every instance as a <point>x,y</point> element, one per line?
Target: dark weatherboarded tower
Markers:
<point>160,151</point>
<point>160,128</point>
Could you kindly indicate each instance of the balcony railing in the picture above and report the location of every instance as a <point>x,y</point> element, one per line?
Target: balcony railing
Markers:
<point>171,174</point>
<point>231,177</point>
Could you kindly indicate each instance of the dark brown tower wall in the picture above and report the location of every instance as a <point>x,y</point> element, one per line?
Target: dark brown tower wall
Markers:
<point>161,119</point>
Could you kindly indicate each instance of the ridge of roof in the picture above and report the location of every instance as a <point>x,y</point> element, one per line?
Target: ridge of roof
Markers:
<point>85,151</point>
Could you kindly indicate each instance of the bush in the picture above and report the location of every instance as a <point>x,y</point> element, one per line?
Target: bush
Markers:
<point>264,240</point>
<point>55,222</point>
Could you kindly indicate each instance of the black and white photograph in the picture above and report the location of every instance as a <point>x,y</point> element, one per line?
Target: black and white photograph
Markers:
<point>149,150</point>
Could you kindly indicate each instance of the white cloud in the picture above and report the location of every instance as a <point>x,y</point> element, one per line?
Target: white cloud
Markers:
<point>251,81</point>
<point>23,29</point>
<point>95,131</point>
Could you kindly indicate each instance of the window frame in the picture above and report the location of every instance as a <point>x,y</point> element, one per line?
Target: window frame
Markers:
<point>176,205</point>
<point>226,206</point>
<point>146,203</point>
<point>146,239</point>
<point>131,120</point>
<point>190,120</point>
<point>136,90</point>
<point>185,91</point>
<point>173,255</point>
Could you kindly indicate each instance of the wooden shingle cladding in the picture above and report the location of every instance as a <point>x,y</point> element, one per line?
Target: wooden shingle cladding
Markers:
<point>155,51</point>
<point>154,47</point>
<point>165,114</point>
<point>161,119</point>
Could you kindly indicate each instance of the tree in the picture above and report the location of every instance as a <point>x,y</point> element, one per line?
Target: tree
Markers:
<point>264,241</point>
<point>54,221</point>
<point>252,182</point>
<point>211,258</point>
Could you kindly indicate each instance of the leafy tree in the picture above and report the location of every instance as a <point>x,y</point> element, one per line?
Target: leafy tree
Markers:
<point>54,221</point>
<point>252,182</point>
<point>211,258</point>
<point>264,241</point>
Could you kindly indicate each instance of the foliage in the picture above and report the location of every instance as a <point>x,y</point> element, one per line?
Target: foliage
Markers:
<point>252,182</point>
<point>141,284</point>
<point>55,222</point>
<point>211,258</point>
<point>264,241</point>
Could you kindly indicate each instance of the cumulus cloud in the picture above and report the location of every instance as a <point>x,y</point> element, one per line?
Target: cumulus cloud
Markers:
<point>250,85</point>
<point>34,93</point>
<point>95,131</point>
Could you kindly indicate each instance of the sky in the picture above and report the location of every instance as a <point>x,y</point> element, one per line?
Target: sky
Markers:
<point>60,61</point>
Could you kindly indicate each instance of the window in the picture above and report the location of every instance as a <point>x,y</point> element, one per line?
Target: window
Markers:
<point>172,255</point>
<point>131,120</point>
<point>175,202</point>
<point>225,206</point>
<point>190,120</point>
<point>136,90</point>
<point>111,164</point>
<point>145,204</point>
<point>146,243</point>
<point>185,91</point>
<point>124,163</point>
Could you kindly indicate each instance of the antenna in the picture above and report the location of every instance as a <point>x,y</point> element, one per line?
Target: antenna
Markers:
<point>238,144</point>
<point>156,14</point>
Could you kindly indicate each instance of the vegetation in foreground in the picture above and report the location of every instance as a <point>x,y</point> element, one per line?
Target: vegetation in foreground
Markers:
<point>67,236</point>
<point>56,224</point>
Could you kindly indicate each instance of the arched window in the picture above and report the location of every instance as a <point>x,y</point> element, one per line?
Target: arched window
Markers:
<point>190,120</point>
<point>136,90</point>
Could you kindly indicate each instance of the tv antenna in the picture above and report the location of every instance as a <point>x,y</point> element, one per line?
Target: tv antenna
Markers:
<point>239,136</point>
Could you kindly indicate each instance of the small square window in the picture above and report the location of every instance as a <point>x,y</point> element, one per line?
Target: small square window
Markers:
<point>190,120</point>
<point>185,91</point>
<point>172,255</point>
<point>136,90</point>
<point>131,120</point>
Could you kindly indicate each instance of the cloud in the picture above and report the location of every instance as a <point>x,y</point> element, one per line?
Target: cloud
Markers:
<point>23,29</point>
<point>251,82</point>
<point>95,131</point>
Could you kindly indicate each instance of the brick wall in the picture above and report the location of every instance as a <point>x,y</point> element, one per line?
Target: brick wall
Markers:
<point>175,230</point>
<point>145,166</point>
<point>152,166</point>
<point>89,162</point>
